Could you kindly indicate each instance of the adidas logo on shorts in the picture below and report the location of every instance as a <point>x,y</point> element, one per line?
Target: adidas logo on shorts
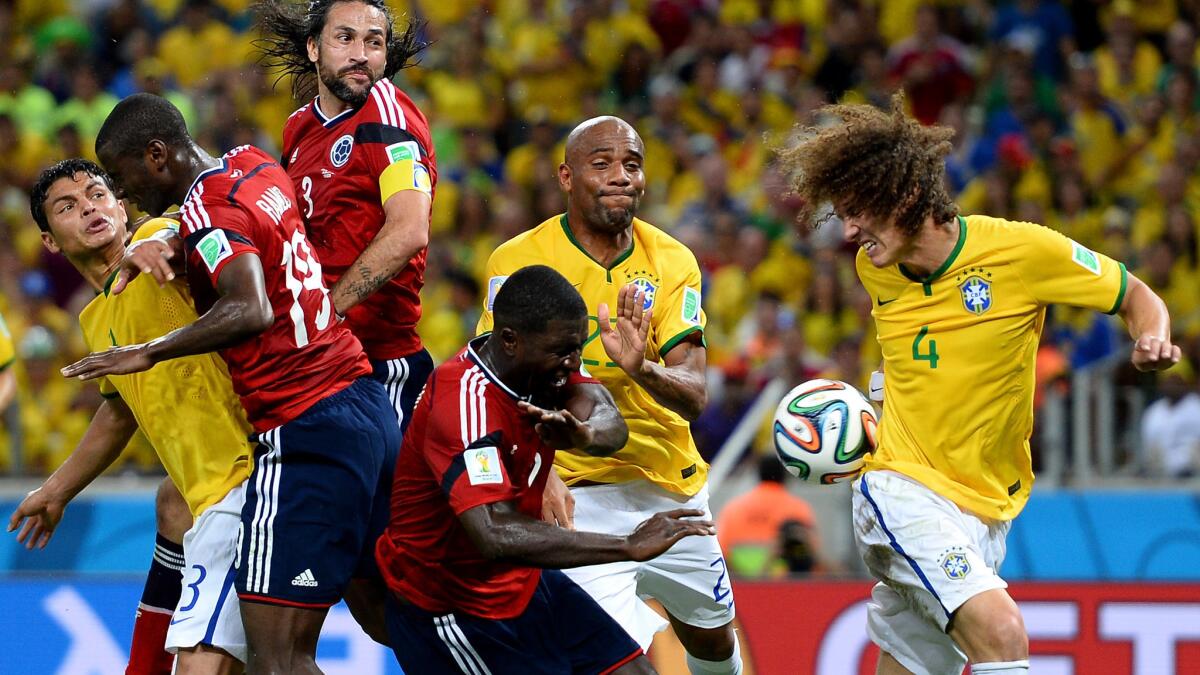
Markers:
<point>305,578</point>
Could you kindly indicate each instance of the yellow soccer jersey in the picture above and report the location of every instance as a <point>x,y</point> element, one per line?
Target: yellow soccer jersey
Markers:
<point>660,445</point>
<point>8,353</point>
<point>186,407</point>
<point>959,349</point>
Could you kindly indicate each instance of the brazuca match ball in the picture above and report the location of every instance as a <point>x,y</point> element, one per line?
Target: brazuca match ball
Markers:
<point>822,430</point>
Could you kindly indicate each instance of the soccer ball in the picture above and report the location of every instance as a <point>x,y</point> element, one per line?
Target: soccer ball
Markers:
<point>822,430</point>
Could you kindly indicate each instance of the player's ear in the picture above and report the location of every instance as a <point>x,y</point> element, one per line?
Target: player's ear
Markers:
<point>50,244</point>
<point>156,154</point>
<point>510,341</point>
<point>564,177</point>
<point>313,50</point>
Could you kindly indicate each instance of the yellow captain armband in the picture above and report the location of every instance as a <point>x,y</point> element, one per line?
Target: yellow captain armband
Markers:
<point>404,172</point>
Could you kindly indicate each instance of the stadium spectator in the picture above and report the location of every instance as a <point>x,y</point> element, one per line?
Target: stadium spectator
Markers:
<point>1169,433</point>
<point>752,527</point>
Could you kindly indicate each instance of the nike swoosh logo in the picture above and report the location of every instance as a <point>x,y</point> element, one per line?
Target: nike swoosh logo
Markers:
<point>884,302</point>
<point>186,618</point>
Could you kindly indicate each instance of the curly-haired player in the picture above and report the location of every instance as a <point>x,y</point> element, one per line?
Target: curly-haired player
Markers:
<point>959,306</point>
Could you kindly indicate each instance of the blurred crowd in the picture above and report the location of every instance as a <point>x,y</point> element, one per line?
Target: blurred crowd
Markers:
<point>1082,115</point>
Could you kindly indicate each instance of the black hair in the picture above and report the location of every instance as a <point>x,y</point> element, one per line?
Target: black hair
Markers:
<point>287,25</point>
<point>770,469</point>
<point>64,169</point>
<point>534,296</point>
<point>139,119</point>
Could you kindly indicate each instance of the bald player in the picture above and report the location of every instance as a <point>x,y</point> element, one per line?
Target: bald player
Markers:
<point>645,343</point>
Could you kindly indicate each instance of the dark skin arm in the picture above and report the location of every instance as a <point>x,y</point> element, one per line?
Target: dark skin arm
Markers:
<point>500,532</point>
<point>590,422</point>
<point>160,255</point>
<point>679,382</point>
<point>41,510</point>
<point>241,312</point>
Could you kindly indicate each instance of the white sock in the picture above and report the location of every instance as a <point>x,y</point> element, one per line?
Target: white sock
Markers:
<point>730,666</point>
<point>998,668</point>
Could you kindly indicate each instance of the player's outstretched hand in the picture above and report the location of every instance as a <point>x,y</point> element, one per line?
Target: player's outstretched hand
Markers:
<point>149,256</point>
<point>116,361</point>
<point>660,532</point>
<point>37,516</point>
<point>558,504</point>
<point>558,429</point>
<point>626,343</point>
<point>1154,352</point>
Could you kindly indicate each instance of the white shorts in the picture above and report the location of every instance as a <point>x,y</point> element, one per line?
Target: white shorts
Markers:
<point>689,579</point>
<point>208,611</point>
<point>930,557</point>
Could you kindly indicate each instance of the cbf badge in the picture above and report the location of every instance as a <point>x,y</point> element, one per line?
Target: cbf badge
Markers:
<point>976,294</point>
<point>648,290</point>
<point>956,566</point>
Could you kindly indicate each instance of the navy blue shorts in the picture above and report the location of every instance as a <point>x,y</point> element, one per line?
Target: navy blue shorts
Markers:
<point>402,380</point>
<point>306,523</point>
<point>562,631</point>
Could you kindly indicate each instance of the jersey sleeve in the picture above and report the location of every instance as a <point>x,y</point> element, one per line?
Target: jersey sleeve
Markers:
<point>677,311</point>
<point>107,390</point>
<point>497,271</point>
<point>214,235</point>
<point>395,138</point>
<point>1059,270</point>
<point>8,352</point>
<point>464,448</point>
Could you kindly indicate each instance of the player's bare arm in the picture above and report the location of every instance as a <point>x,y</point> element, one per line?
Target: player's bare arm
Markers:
<point>678,383</point>
<point>1149,324</point>
<point>589,422</point>
<point>404,233</point>
<point>241,312</point>
<point>40,512</point>
<point>501,532</point>
<point>160,256</point>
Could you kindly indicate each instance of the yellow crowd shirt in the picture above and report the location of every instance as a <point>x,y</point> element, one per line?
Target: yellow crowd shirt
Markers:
<point>660,446</point>
<point>186,407</point>
<point>958,353</point>
<point>8,353</point>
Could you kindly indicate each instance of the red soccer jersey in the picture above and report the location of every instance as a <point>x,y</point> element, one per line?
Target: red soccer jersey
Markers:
<point>467,445</point>
<point>246,205</point>
<point>343,173</point>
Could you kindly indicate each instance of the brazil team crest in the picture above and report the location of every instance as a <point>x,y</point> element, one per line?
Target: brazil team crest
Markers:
<point>956,566</point>
<point>976,294</point>
<point>647,286</point>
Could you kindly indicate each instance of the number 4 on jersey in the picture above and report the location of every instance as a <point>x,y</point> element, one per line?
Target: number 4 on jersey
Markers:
<point>931,356</point>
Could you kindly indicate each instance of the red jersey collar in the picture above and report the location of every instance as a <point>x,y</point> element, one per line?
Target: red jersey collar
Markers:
<point>474,356</point>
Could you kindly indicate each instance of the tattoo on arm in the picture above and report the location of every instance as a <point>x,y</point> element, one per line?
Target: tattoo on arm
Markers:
<point>365,283</point>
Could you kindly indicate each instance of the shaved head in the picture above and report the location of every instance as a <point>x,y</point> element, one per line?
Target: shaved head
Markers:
<point>602,174</point>
<point>584,137</point>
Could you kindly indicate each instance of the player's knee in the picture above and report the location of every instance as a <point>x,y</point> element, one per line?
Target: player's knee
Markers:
<point>710,644</point>
<point>171,513</point>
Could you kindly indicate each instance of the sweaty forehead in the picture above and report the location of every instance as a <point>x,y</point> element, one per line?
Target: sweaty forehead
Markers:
<point>355,14</point>
<point>605,137</point>
<point>69,184</point>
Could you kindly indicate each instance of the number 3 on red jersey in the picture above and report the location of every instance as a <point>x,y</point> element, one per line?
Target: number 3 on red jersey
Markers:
<point>304,274</point>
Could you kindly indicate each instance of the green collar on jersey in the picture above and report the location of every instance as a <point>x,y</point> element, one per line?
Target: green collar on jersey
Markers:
<point>962,239</point>
<point>616,261</point>
<point>111,278</point>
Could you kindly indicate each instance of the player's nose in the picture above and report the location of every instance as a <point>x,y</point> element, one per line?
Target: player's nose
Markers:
<point>850,230</point>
